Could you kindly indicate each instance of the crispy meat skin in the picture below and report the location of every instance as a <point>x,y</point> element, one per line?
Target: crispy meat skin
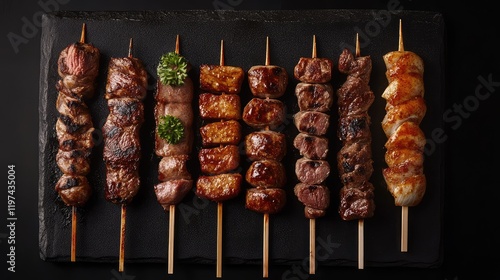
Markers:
<point>313,70</point>
<point>269,200</point>
<point>219,106</point>
<point>221,133</point>
<point>405,109</point>
<point>266,173</point>
<point>265,144</point>
<point>220,187</point>
<point>261,113</point>
<point>221,79</point>
<point>267,81</point>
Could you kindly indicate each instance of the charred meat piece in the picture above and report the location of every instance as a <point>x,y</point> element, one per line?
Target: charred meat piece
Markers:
<point>267,81</point>
<point>261,113</point>
<point>311,122</point>
<point>121,144</point>
<point>312,172</point>
<point>265,144</point>
<point>219,187</point>
<point>311,146</point>
<point>171,192</point>
<point>173,168</point>
<point>219,106</point>
<point>270,200</point>
<point>266,173</point>
<point>219,160</point>
<point>221,79</point>
<point>354,97</point>
<point>125,111</point>
<point>352,128</point>
<point>74,190</point>
<point>314,97</point>
<point>221,133</point>
<point>314,197</point>
<point>127,77</point>
<point>122,183</point>
<point>313,70</point>
<point>175,94</point>
<point>358,202</point>
<point>73,162</point>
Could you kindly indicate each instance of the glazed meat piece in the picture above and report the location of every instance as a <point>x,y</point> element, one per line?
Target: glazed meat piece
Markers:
<point>219,187</point>
<point>221,79</point>
<point>266,173</point>
<point>314,197</point>
<point>219,160</point>
<point>121,144</point>
<point>267,81</point>
<point>172,192</point>
<point>270,200</point>
<point>357,203</point>
<point>311,122</point>
<point>311,146</point>
<point>261,113</point>
<point>221,133</point>
<point>122,183</point>
<point>127,77</point>
<point>219,106</point>
<point>173,168</point>
<point>313,70</point>
<point>411,111</point>
<point>314,97</point>
<point>74,190</point>
<point>73,162</point>
<point>265,144</point>
<point>311,171</point>
<point>175,94</point>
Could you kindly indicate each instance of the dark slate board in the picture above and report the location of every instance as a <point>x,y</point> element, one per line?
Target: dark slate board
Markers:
<point>244,34</point>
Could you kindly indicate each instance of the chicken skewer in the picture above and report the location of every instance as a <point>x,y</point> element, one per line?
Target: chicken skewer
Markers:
<point>315,97</point>
<point>173,136</point>
<point>78,66</point>
<point>405,110</point>
<point>220,108</point>
<point>355,162</point>
<point>266,148</point>
<point>126,87</point>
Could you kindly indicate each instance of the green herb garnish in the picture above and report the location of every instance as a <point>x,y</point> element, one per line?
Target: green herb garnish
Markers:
<point>172,69</point>
<point>171,129</point>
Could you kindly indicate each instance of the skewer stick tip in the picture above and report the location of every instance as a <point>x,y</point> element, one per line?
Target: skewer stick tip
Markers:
<point>222,53</point>
<point>82,36</point>
<point>268,58</point>
<point>314,55</point>
<point>171,232</point>
<point>358,48</point>
<point>130,46</point>
<point>401,46</point>
<point>177,44</point>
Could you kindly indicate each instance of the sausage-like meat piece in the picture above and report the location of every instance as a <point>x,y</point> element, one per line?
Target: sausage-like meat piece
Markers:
<point>171,192</point>
<point>261,113</point>
<point>266,173</point>
<point>270,200</point>
<point>267,81</point>
<point>311,146</point>
<point>173,168</point>
<point>265,144</point>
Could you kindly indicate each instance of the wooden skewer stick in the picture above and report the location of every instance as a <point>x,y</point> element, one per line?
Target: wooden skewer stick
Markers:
<point>171,211</point>
<point>218,271</point>
<point>73,208</point>
<point>404,209</point>
<point>312,222</point>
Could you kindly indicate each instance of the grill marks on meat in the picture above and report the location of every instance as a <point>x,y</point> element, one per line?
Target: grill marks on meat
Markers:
<point>126,87</point>
<point>355,157</point>
<point>175,180</point>
<point>266,147</point>
<point>315,98</point>
<point>220,110</point>
<point>78,66</point>
<point>405,109</point>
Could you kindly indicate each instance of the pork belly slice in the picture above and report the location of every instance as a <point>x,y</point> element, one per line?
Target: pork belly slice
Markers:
<point>311,122</point>
<point>267,81</point>
<point>312,172</point>
<point>74,190</point>
<point>219,106</point>
<point>175,94</point>
<point>220,187</point>
<point>266,174</point>
<point>172,192</point>
<point>314,97</point>
<point>269,201</point>
<point>219,160</point>
<point>265,144</point>
<point>261,113</point>
<point>221,133</point>
<point>357,203</point>
<point>311,146</point>
<point>173,168</point>
<point>313,70</point>
<point>221,79</point>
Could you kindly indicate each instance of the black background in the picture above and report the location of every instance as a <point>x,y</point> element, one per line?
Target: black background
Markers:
<point>470,194</point>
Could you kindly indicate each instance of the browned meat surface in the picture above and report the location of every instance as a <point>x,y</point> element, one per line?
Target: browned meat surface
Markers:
<point>127,77</point>
<point>313,70</point>
<point>311,122</point>
<point>171,192</point>
<point>219,106</point>
<point>266,173</point>
<point>219,160</point>
<point>312,172</point>
<point>261,113</point>
<point>270,200</point>
<point>314,197</point>
<point>358,202</point>
<point>267,81</point>
<point>219,187</point>
<point>73,162</point>
<point>355,163</point>
<point>74,190</point>
<point>121,144</point>
<point>354,127</point>
<point>311,146</point>
<point>314,97</point>
<point>221,133</point>
<point>313,213</point>
<point>265,144</point>
<point>173,168</point>
<point>122,183</point>
<point>221,79</point>
<point>175,94</point>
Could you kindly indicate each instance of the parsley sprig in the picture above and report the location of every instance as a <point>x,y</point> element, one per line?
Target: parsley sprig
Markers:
<point>171,129</point>
<point>172,69</point>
